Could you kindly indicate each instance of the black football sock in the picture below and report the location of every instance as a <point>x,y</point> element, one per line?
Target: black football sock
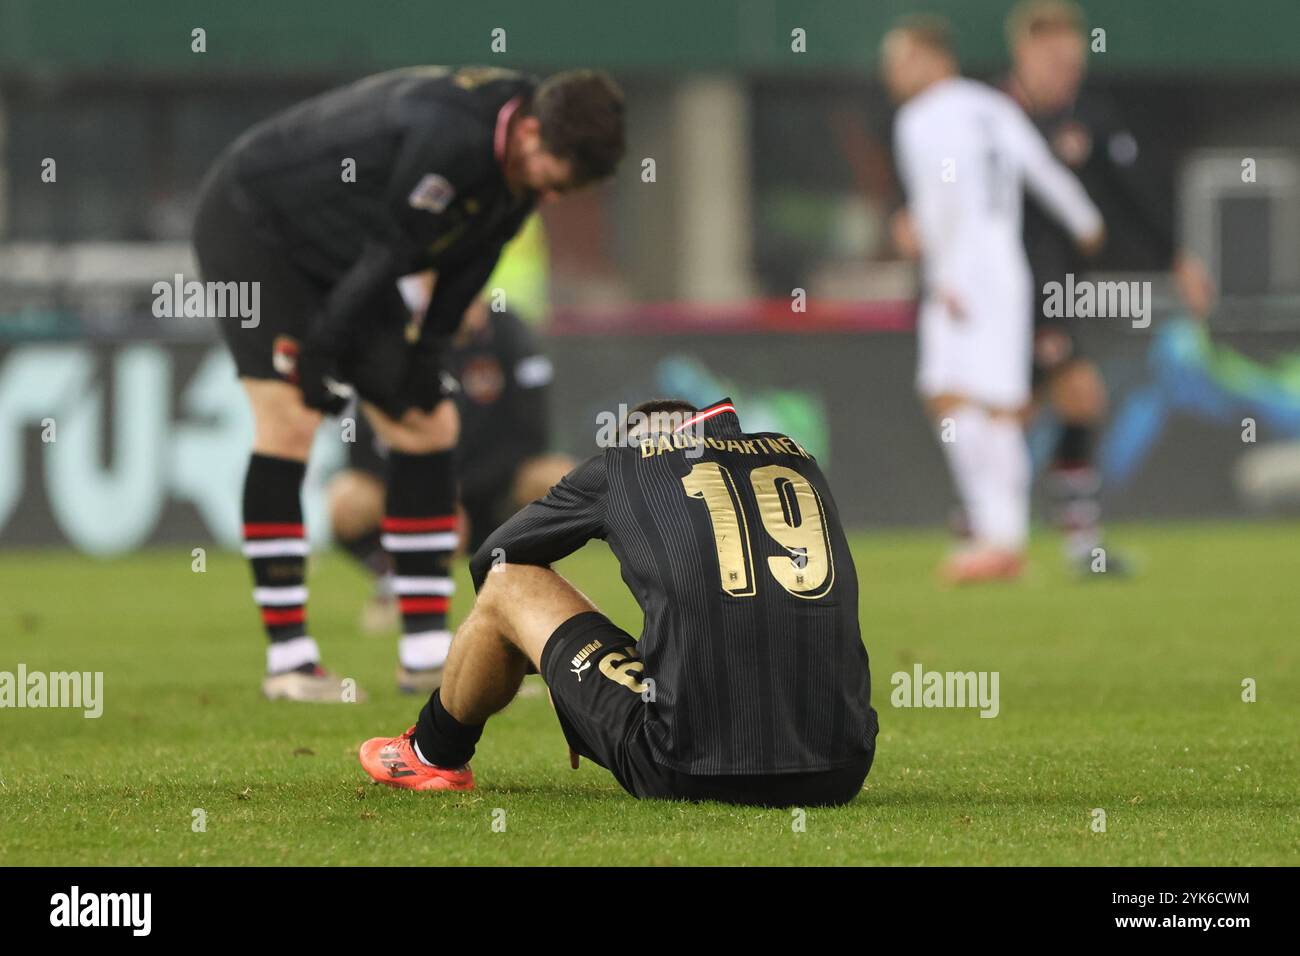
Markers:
<point>1076,492</point>
<point>276,548</point>
<point>420,536</point>
<point>441,739</point>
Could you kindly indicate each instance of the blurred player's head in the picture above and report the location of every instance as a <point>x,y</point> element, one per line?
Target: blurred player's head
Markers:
<point>658,416</point>
<point>569,136</point>
<point>1048,52</point>
<point>915,53</point>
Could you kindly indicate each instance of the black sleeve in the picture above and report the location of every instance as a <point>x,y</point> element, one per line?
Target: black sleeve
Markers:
<point>347,300</point>
<point>437,162</point>
<point>1131,179</point>
<point>455,290</point>
<point>440,168</point>
<point>434,162</point>
<point>571,514</point>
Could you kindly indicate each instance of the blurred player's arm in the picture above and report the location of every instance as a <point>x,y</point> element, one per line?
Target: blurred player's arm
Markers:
<point>458,282</point>
<point>1134,183</point>
<point>331,331</point>
<point>454,291</point>
<point>429,171</point>
<point>902,232</point>
<point>1056,188</point>
<point>571,514</point>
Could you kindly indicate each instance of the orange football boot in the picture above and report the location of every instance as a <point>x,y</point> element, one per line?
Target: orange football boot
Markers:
<point>393,761</point>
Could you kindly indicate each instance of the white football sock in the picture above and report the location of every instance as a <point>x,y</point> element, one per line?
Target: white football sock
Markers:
<point>989,460</point>
<point>284,656</point>
<point>423,650</point>
<point>962,437</point>
<point>1007,473</point>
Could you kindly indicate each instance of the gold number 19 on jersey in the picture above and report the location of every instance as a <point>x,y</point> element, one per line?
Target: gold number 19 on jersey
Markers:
<point>784,496</point>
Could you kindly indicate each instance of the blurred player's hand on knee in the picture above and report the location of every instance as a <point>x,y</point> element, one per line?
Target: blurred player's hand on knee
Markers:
<point>318,377</point>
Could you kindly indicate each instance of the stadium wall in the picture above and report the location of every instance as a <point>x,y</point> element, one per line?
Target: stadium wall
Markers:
<point>111,445</point>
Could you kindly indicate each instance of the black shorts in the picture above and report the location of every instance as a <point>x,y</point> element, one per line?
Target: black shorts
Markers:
<point>598,699</point>
<point>234,244</point>
<point>1056,345</point>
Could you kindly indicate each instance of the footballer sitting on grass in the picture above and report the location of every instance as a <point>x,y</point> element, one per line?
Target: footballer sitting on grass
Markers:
<point>750,683</point>
<point>448,165</point>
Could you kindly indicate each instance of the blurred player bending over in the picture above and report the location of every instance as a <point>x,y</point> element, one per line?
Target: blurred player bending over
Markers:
<point>1049,58</point>
<point>326,205</point>
<point>749,684</point>
<point>502,461</point>
<point>964,152</point>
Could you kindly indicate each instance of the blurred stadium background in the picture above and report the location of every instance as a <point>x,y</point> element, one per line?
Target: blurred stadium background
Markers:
<point>771,174</point>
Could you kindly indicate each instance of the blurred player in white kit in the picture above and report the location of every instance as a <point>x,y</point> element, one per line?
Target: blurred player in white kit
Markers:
<point>965,152</point>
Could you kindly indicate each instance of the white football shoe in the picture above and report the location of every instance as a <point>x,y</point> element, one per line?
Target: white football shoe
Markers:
<point>316,687</point>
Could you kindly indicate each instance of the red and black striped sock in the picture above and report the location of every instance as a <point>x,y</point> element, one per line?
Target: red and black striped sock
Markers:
<point>276,547</point>
<point>420,535</point>
<point>1076,491</point>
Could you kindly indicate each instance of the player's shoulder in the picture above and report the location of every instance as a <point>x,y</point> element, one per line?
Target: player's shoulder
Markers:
<point>780,446</point>
<point>937,105</point>
<point>591,475</point>
<point>478,92</point>
<point>976,93</point>
<point>453,114</point>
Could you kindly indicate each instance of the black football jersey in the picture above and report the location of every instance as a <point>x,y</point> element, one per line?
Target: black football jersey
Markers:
<point>732,545</point>
<point>389,175</point>
<point>1090,138</point>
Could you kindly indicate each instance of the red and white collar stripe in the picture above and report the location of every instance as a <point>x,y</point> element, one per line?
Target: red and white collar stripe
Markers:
<point>504,116</point>
<point>706,414</point>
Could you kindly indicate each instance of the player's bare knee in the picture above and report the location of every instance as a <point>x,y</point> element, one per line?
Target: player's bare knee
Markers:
<point>356,503</point>
<point>284,429</point>
<point>495,599</point>
<point>499,588</point>
<point>511,588</point>
<point>425,433</point>
<point>1078,393</point>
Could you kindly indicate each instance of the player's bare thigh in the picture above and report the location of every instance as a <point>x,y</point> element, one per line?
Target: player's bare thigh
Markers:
<point>283,426</point>
<point>527,604</point>
<point>1077,392</point>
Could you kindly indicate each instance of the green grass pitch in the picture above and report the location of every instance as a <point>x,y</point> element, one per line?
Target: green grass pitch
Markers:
<point>1119,695</point>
